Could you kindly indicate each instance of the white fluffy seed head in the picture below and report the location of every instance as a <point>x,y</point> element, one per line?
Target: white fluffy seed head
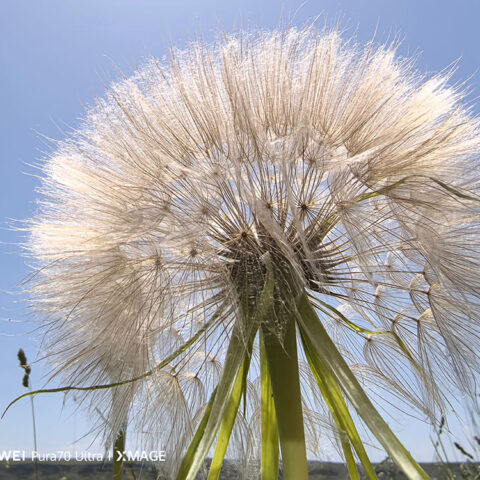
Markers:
<point>339,161</point>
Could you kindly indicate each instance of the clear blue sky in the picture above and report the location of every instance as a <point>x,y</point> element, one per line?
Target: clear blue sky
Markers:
<point>55,57</point>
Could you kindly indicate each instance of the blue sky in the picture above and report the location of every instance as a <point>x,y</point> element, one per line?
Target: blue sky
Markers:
<point>57,55</point>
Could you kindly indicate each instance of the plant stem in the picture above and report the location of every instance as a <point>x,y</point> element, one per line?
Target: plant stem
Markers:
<point>270,452</point>
<point>118,452</point>
<point>34,437</point>
<point>283,367</point>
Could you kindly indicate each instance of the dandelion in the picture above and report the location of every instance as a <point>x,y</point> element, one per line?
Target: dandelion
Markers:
<point>240,240</point>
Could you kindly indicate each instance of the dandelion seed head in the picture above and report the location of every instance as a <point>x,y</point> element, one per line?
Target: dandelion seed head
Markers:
<point>339,162</point>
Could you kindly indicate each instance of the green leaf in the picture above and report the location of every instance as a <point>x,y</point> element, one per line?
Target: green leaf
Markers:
<point>319,305</point>
<point>226,384</point>
<point>243,333</point>
<point>192,448</point>
<point>349,457</point>
<point>334,399</point>
<point>453,190</point>
<point>183,348</point>
<point>313,329</point>
<point>270,450</point>
<point>229,419</point>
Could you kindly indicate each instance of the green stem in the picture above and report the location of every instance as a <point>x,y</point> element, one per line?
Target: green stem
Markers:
<point>118,452</point>
<point>270,452</point>
<point>34,423</point>
<point>283,368</point>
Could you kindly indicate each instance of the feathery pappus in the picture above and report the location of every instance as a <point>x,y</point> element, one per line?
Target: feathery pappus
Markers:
<point>204,195</point>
